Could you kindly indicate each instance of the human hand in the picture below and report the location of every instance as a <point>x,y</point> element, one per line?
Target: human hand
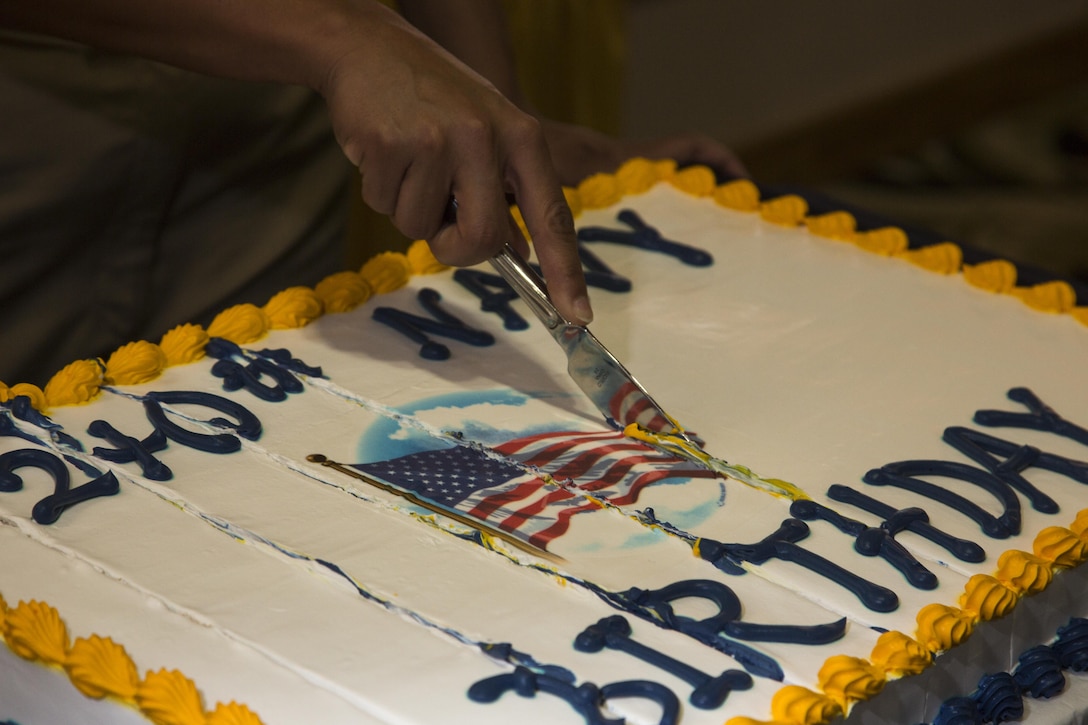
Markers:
<point>421,127</point>
<point>579,152</point>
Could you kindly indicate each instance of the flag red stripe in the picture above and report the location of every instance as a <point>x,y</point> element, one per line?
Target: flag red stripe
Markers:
<point>516,445</point>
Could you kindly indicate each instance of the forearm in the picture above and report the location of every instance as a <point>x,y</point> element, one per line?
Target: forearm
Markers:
<point>286,41</point>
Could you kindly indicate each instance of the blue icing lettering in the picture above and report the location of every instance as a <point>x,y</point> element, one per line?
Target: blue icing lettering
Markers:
<point>128,449</point>
<point>283,358</point>
<point>903,474</point>
<point>246,424</point>
<point>643,236</point>
<point>875,541</point>
<point>962,549</point>
<point>782,545</point>
<point>505,652</point>
<point>495,295</point>
<point>586,699</point>
<point>276,365</point>
<point>47,510</point>
<point>441,322</point>
<point>599,274</point>
<point>980,448</point>
<point>710,691</point>
<point>21,408</point>
<point>1040,416</point>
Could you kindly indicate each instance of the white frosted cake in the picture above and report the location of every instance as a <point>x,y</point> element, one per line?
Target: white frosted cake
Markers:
<point>360,504</point>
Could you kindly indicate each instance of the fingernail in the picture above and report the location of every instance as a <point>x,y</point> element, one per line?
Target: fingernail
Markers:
<point>583,310</point>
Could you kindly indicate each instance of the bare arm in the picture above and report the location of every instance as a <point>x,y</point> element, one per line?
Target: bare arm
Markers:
<point>418,123</point>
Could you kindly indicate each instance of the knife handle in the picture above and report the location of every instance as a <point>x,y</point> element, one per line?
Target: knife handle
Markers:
<point>528,284</point>
<point>520,276</point>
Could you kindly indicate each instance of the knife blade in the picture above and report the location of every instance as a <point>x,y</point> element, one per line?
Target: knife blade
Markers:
<point>615,392</point>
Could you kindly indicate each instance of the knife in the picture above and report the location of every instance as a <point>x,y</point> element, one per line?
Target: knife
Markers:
<point>605,381</point>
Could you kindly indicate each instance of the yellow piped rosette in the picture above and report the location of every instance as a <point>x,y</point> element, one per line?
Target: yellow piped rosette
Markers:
<point>100,668</point>
<point>76,383</point>
<point>387,272</point>
<point>184,344</point>
<point>135,363</point>
<point>343,291</point>
<point>292,308</point>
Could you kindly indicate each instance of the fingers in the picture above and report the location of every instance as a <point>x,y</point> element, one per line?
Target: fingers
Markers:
<point>482,223</point>
<point>550,223</point>
<point>422,126</point>
<point>688,149</point>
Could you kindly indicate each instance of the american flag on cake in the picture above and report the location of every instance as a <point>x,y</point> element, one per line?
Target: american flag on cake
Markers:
<point>631,404</point>
<point>514,498</point>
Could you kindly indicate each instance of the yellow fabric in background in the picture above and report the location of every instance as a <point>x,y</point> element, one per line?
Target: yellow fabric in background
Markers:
<point>570,58</point>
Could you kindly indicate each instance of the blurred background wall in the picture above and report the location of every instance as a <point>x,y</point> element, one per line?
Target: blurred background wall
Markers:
<point>969,117</point>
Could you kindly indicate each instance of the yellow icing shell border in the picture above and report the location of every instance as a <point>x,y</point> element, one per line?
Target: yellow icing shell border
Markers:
<point>34,630</point>
<point>100,668</point>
